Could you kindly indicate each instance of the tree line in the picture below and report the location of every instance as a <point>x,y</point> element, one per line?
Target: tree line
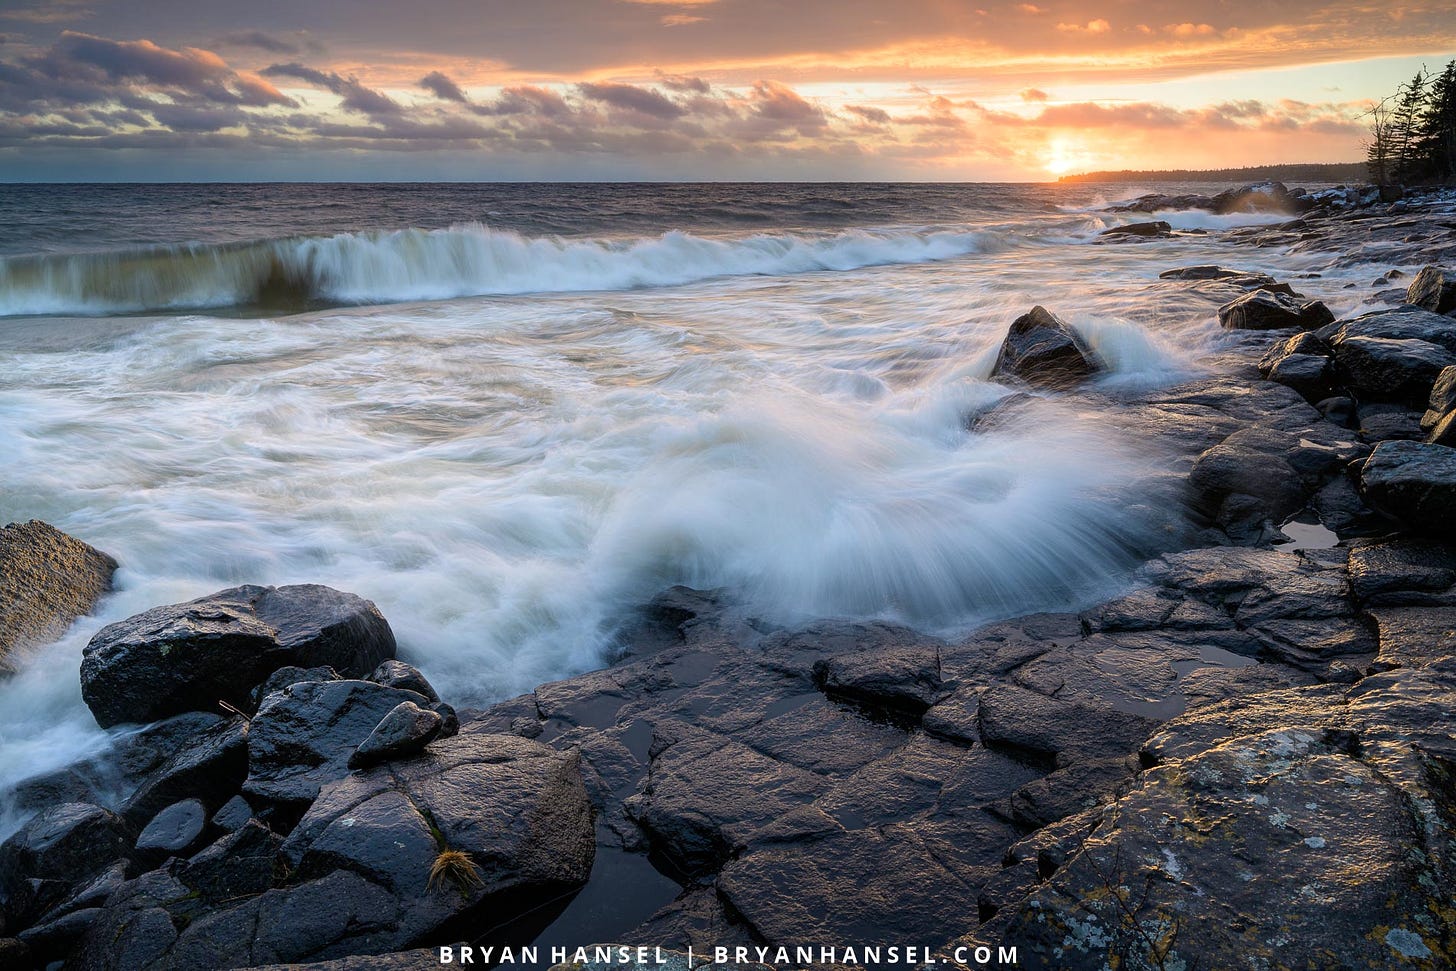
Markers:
<point>1413,132</point>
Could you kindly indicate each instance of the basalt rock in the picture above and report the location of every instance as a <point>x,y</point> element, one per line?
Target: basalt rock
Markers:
<point>1349,790</point>
<point>1304,363</point>
<point>405,730</point>
<point>1433,289</point>
<point>189,657</point>
<point>47,580</point>
<point>1042,350</point>
<point>1397,324</point>
<point>1382,369</point>
<point>56,853</point>
<point>359,875</point>
<point>1141,230</point>
<point>1414,483</point>
<point>303,736</point>
<point>1267,310</point>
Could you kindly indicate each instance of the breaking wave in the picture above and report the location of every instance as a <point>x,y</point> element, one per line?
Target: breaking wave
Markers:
<point>436,264</point>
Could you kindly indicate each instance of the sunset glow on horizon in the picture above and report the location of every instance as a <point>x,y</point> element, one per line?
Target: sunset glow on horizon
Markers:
<point>693,89</point>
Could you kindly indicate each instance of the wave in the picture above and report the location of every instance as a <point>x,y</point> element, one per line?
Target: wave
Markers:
<point>435,264</point>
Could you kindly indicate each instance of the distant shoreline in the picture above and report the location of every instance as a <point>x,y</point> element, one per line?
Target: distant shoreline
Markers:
<point>1302,172</point>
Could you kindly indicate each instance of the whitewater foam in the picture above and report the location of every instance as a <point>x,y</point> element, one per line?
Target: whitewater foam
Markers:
<point>418,264</point>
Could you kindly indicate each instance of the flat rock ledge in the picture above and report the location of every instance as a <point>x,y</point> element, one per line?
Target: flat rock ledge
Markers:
<point>1246,759</point>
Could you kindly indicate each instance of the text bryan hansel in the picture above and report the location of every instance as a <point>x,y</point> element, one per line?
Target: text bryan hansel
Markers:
<point>801,956</point>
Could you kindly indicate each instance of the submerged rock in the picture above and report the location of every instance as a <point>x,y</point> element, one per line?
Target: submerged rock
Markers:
<point>1043,350</point>
<point>190,656</point>
<point>47,580</point>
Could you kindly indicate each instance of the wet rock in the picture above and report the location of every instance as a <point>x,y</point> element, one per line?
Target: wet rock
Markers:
<point>1070,790</point>
<point>1384,421</point>
<point>909,679</point>
<point>808,880</point>
<point>1336,785</point>
<point>1057,732</point>
<point>246,861</point>
<point>1392,370</point>
<point>1412,482</point>
<point>1304,363</point>
<point>1265,310</point>
<point>1433,289</point>
<point>1260,197</point>
<point>449,720</point>
<point>233,815</point>
<point>1397,324</point>
<point>355,877</point>
<point>1144,230</point>
<point>211,768</point>
<point>706,793</point>
<point>1401,571</point>
<point>292,674</point>
<point>397,674</point>
<point>47,580</point>
<point>56,853</point>
<point>405,730</point>
<point>1042,350</point>
<point>303,736</point>
<point>55,939</point>
<point>1245,484</point>
<point>1204,272</point>
<point>1442,400</point>
<point>172,831</point>
<point>1413,636</point>
<point>188,657</point>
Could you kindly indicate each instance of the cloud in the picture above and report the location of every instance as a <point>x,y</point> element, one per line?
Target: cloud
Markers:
<point>261,40</point>
<point>1031,95</point>
<point>870,113</point>
<point>440,85</point>
<point>352,94</point>
<point>1098,26</point>
<point>1189,30</point>
<point>632,98</point>
<point>681,20</point>
<point>782,104</point>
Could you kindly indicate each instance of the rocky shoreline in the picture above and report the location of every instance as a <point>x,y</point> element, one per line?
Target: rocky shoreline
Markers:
<point>1246,760</point>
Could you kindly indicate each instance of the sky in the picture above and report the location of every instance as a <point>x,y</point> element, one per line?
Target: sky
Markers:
<point>503,90</point>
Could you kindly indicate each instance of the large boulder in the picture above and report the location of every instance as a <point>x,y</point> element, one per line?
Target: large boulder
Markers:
<point>1433,289</point>
<point>1267,310</point>
<point>1042,350</point>
<point>1413,482</point>
<point>1261,197</point>
<point>47,580</point>
<point>191,656</point>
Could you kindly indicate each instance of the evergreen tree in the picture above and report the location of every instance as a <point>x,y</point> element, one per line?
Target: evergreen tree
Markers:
<point>1405,118</point>
<point>1435,139</point>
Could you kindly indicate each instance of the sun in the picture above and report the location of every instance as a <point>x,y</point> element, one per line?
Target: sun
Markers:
<point>1064,155</point>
